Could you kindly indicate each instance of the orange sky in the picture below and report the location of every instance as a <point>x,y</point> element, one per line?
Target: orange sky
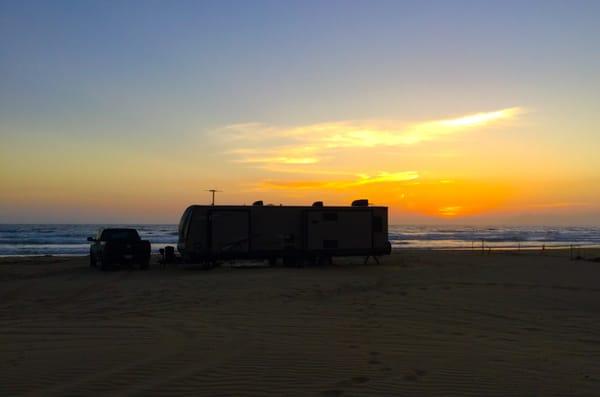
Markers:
<point>465,168</point>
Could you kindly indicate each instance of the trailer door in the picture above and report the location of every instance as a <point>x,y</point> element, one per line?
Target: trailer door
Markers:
<point>229,231</point>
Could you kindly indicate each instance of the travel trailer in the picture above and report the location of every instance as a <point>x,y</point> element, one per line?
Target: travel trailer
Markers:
<point>293,233</point>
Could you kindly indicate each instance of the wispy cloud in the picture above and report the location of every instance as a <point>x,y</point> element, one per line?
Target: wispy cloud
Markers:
<point>567,205</point>
<point>269,158</point>
<point>358,180</point>
<point>309,144</point>
<point>381,177</point>
<point>450,210</point>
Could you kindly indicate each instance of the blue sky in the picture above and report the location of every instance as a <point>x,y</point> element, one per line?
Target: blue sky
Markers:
<point>235,61</point>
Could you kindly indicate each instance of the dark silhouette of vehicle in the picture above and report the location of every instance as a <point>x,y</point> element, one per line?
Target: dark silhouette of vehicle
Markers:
<point>117,246</point>
<point>295,234</point>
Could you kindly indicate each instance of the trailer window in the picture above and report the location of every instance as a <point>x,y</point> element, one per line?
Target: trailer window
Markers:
<point>330,244</point>
<point>330,216</point>
<point>377,224</point>
<point>120,235</point>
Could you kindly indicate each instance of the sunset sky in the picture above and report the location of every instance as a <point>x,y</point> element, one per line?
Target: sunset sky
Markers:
<point>463,112</point>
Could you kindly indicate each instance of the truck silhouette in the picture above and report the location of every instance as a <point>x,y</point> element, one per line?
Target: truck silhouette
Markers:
<point>117,246</point>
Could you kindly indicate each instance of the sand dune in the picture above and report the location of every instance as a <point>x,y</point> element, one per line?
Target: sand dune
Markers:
<point>422,323</point>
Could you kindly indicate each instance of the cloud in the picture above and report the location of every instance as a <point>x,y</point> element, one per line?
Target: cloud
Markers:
<point>482,118</point>
<point>280,160</point>
<point>559,205</point>
<point>387,177</point>
<point>342,159</point>
<point>450,210</point>
<point>359,180</point>
<point>309,144</point>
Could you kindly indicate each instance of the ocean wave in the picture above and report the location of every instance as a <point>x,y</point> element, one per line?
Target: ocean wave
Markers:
<point>72,239</point>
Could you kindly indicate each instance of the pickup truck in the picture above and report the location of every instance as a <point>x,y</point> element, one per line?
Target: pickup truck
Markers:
<point>118,246</point>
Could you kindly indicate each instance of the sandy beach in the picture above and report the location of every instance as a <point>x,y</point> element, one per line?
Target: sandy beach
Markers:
<point>422,323</point>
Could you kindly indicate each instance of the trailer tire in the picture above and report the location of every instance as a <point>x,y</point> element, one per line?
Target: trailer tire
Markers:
<point>289,261</point>
<point>208,264</point>
<point>324,260</point>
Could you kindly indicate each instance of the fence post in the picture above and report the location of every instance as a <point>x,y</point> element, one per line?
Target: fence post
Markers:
<point>571,252</point>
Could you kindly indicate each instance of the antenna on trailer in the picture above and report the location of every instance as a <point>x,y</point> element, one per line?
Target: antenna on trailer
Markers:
<point>213,191</point>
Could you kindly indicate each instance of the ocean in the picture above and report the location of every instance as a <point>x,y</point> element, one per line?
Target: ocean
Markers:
<point>72,239</point>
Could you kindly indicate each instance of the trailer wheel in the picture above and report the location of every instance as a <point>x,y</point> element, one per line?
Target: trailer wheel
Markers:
<point>209,264</point>
<point>324,260</point>
<point>289,261</point>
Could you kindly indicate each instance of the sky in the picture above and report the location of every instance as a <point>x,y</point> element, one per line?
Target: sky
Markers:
<point>461,112</point>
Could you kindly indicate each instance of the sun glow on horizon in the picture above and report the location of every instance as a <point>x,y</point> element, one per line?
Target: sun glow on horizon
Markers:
<point>450,211</point>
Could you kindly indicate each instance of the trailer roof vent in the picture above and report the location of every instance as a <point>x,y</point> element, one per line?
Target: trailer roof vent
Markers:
<point>317,204</point>
<point>360,203</point>
<point>258,203</point>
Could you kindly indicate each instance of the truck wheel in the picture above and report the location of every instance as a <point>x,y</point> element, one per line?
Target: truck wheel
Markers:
<point>144,264</point>
<point>92,260</point>
<point>208,264</point>
<point>104,266</point>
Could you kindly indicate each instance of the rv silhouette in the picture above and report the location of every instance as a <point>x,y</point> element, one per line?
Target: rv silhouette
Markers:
<point>294,234</point>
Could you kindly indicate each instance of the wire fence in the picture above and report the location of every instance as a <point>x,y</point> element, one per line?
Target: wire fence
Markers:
<point>573,250</point>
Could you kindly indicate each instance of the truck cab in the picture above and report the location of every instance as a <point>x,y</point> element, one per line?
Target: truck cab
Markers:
<point>118,246</point>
